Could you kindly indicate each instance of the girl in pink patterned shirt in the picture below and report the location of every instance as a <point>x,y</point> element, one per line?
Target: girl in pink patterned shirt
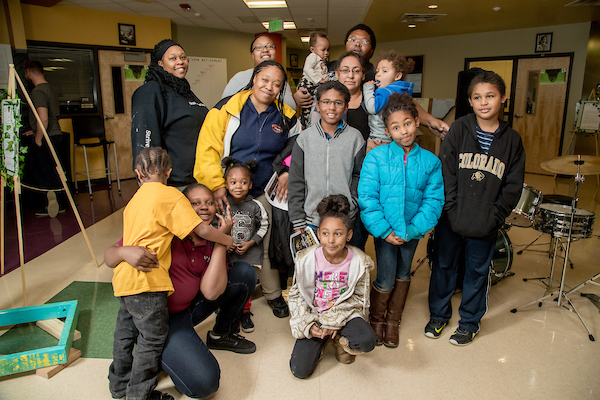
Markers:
<point>329,297</point>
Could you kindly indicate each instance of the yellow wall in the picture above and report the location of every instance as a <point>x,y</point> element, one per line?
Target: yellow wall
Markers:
<point>204,42</point>
<point>66,24</point>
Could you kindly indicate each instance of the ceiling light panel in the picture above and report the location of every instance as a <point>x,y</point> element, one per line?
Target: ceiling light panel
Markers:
<point>266,3</point>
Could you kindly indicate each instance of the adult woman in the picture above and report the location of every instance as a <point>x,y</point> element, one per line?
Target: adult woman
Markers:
<point>166,113</point>
<point>202,284</point>
<point>262,48</point>
<point>253,124</point>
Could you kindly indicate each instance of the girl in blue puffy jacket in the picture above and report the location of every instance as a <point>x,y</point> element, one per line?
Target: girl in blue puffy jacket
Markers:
<point>401,195</point>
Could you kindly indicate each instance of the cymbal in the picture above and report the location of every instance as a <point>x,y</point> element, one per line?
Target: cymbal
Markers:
<point>567,165</point>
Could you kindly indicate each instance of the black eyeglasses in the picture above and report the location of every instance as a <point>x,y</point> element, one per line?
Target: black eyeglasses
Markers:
<point>364,42</point>
<point>336,103</point>
<point>346,70</point>
<point>261,47</point>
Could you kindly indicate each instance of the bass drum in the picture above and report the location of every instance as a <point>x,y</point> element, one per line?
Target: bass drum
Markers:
<point>499,266</point>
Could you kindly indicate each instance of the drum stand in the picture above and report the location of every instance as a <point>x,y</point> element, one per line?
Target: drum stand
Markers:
<point>562,295</point>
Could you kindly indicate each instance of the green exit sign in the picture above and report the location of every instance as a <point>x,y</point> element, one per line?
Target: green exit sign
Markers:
<point>276,25</point>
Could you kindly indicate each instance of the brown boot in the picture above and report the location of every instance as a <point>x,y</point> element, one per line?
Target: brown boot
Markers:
<point>394,313</point>
<point>379,303</point>
<point>343,352</point>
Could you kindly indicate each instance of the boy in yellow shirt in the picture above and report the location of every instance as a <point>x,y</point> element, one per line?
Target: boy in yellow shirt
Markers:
<point>153,216</point>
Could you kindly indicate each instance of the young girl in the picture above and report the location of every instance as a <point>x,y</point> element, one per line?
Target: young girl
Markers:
<point>329,296</point>
<point>250,221</point>
<point>392,68</point>
<point>401,195</point>
<point>315,69</point>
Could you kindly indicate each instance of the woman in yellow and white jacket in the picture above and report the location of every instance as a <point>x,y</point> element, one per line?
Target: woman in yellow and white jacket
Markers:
<point>253,124</point>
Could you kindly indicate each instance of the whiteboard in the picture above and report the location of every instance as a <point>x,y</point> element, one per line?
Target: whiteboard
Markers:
<point>207,77</point>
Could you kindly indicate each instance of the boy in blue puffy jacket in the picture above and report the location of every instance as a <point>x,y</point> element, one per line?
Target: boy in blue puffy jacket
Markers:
<point>401,196</point>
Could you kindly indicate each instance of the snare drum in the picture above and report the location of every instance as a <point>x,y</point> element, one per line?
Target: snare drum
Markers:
<point>524,212</point>
<point>555,219</point>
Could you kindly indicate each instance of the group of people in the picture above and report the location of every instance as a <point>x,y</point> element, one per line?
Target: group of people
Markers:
<point>340,178</point>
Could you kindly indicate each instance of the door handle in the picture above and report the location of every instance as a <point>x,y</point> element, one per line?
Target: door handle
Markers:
<point>516,116</point>
<point>107,117</point>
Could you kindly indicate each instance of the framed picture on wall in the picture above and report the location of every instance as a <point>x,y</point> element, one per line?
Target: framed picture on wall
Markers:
<point>294,60</point>
<point>543,43</point>
<point>127,34</point>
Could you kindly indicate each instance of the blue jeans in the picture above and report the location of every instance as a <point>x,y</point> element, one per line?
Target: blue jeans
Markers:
<point>142,321</point>
<point>307,352</point>
<point>187,360</point>
<point>393,262</point>
<point>450,249</point>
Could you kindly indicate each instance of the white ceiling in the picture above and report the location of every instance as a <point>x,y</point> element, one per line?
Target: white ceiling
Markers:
<point>335,16</point>
<point>332,16</point>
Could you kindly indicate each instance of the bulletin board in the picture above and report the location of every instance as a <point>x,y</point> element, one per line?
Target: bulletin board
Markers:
<point>207,77</point>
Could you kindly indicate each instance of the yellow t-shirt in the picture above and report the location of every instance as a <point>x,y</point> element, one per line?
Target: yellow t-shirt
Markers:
<point>153,216</point>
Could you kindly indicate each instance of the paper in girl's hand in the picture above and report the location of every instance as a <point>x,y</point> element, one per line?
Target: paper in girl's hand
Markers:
<point>301,240</point>
<point>271,193</point>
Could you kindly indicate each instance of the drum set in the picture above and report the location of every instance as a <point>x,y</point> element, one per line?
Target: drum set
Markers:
<point>559,217</point>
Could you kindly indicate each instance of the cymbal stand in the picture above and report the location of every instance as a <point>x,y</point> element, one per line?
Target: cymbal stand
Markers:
<point>561,292</point>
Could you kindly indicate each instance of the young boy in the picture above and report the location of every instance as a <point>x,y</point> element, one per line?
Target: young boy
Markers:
<point>483,165</point>
<point>152,217</point>
<point>401,196</point>
<point>326,159</point>
<point>391,69</point>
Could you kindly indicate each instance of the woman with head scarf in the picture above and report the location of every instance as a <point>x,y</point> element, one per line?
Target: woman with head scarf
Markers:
<point>166,113</point>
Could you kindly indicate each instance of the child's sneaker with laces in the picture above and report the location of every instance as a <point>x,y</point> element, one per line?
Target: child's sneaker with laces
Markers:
<point>434,329</point>
<point>462,337</point>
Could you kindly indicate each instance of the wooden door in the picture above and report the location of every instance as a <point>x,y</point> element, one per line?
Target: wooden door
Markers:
<point>539,106</point>
<point>118,125</point>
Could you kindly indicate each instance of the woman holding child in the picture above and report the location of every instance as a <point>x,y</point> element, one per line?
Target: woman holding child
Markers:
<point>253,124</point>
<point>202,282</point>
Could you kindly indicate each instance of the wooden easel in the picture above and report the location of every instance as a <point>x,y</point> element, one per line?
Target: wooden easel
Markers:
<point>17,187</point>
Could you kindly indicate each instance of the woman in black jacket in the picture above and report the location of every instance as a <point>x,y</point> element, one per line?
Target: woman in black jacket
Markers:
<point>166,113</point>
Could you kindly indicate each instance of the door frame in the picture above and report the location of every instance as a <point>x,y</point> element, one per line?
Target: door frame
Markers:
<point>513,85</point>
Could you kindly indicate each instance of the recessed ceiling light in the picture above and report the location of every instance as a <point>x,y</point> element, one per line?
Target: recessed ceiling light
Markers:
<point>496,8</point>
<point>412,26</point>
<point>288,25</point>
<point>305,39</point>
<point>266,3</point>
<point>432,6</point>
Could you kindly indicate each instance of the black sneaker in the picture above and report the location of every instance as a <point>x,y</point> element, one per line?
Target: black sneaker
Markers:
<point>156,395</point>
<point>232,342</point>
<point>280,307</point>
<point>434,329</point>
<point>462,337</point>
<point>247,324</point>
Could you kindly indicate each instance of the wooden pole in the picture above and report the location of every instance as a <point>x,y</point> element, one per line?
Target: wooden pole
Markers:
<point>17,190</point>
<point>59,168</point>
<point>3,237</point>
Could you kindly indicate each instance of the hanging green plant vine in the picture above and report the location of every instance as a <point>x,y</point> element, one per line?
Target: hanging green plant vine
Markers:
<point>10,142</point>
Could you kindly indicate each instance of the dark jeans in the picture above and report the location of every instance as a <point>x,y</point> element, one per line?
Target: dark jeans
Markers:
<point>142,320</point>
<point>359,234</point>
<point>187,360</point>
<point>478,254</point>
<point>307,352</point>
<point>393,262</point>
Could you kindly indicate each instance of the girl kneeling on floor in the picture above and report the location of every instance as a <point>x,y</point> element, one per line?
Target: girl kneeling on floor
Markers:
<point>330,293</point>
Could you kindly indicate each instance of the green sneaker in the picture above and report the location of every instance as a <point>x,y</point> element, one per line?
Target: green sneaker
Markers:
<point>462,337</point>
<point>434,329</point>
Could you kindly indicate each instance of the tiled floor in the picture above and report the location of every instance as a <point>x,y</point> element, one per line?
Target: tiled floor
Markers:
<point>537,353</point>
